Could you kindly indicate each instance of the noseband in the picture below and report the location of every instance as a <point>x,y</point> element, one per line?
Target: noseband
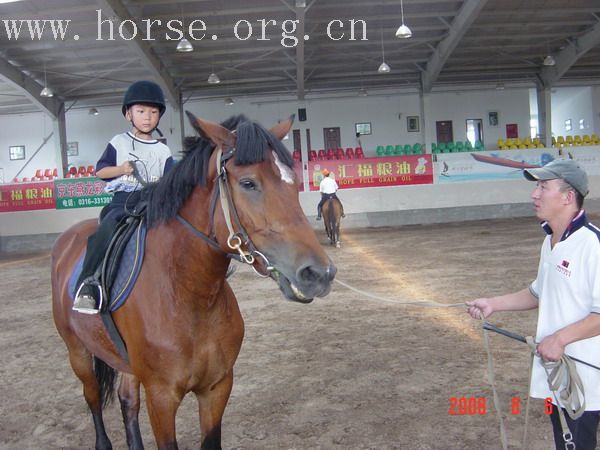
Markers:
<point>236,240</point>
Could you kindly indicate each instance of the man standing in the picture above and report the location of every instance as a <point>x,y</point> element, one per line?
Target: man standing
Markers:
<point>566,292</point>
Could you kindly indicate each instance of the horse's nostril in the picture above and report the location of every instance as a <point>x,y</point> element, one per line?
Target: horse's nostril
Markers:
<point>312,274</point>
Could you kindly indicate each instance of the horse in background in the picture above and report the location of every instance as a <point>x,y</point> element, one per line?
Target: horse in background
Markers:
<point>332,217</point>
<point>234,195</point>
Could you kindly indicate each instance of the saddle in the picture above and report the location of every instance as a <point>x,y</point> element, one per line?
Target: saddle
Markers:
<point>122,262</point>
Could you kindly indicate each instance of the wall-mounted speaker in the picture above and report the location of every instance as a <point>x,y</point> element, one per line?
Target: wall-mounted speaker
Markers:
<point>302,114</point>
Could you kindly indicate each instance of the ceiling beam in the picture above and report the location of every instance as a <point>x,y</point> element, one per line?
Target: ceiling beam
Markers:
<point>30,88</point>
<point>569,56</point>
<point>460,25</point>
<point>115,8</point>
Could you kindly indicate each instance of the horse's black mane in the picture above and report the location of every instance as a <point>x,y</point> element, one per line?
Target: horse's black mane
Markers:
<point>168,195</point>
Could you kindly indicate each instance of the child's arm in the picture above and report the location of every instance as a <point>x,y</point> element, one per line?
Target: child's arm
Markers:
<point>115,171</point>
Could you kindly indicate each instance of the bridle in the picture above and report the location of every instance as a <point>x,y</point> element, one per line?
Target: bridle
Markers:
<point>237,240</point>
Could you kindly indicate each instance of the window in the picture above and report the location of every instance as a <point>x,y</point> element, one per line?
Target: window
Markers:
<point>568,125</point>
<point>363,128</point>
<point>582,124</point>
<point>16,152</point>
<point>412,123</point>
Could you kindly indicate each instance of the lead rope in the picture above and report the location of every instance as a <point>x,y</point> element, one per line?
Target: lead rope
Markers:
<point>564,372</point>
<point>558,372</point>
<point>429,303</point>
<point>492,380</point>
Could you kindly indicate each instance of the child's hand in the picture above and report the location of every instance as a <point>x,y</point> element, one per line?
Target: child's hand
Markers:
<point>127,168</point>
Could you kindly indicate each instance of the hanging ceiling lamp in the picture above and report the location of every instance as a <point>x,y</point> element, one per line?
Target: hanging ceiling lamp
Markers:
<point>46,92</point>
<point>549,60</point>
<point>184,46</point>
<point>213,78</point>
<point>362,92</point>
<point>229,101</point>
<point>403,31</point>
<point>383,67</point>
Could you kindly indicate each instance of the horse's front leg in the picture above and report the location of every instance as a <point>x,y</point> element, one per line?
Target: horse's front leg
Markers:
<point>162,402</point>
<point>129,397</point>
<point>211,405</point>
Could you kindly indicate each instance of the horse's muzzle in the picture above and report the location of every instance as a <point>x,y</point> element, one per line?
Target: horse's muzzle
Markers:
<point>308,282</point>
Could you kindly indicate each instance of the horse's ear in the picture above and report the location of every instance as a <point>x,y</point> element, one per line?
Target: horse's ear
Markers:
<point>217,134</point>
<point>283,128</point>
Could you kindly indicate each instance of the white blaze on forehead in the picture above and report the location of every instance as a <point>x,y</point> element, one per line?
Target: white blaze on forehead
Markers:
<point>287,174</point>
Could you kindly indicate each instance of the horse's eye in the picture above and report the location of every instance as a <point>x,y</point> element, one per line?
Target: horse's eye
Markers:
<point>247,184</point>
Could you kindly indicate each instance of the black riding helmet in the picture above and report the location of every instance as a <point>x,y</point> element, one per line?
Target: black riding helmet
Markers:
<point>144,92</point>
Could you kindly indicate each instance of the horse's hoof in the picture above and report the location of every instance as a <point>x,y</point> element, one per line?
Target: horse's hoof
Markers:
<point>338,245</point>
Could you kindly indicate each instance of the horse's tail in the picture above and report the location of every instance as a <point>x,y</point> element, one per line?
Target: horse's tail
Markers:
<point>106,377</point>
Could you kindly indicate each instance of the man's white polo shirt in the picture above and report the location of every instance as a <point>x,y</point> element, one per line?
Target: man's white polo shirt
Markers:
<point>568,290</point>
<point>328,186</point>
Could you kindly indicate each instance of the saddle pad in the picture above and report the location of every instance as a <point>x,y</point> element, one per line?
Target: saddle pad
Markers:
<point>129,269</point>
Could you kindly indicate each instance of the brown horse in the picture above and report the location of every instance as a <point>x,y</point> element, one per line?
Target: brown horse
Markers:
<point>332,216</point>
<point>233,195</point>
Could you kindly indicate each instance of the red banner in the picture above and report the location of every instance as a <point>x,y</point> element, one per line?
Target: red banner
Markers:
<point>27,196</point>
<point>374,172</point>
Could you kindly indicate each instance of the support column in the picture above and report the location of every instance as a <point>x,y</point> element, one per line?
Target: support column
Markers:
<point>544,104</point>
<point>60,141</point>
<point>427,135</point>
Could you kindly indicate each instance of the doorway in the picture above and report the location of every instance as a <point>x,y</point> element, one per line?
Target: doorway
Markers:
<point>332,138</point>
<point>474,131</point>
<point>297,140</point>
<point>443,131</point>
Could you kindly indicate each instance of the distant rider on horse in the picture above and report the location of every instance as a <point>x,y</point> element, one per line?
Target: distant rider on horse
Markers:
<point>328,188</point>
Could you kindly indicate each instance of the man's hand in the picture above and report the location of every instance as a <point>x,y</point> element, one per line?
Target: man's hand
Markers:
<point>480,308</point>
<point>551,348</point>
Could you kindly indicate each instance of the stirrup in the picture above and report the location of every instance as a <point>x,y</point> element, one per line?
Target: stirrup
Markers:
<point>100,300</point>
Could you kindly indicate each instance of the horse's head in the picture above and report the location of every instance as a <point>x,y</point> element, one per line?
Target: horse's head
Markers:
<point>260,215</point>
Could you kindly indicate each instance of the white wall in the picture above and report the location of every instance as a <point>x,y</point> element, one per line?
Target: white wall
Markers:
<point>386,112</point>
<point>28,130</point>
<point>512,106</point>
<point>381,110</point>
<point>596,109</point>
<point>573,103</point>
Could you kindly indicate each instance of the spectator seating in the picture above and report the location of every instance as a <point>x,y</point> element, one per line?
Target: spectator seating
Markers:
<point>453,147</point>
<point>575,140</point>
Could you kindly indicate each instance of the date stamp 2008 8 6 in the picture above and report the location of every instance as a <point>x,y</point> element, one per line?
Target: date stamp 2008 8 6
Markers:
<point>477,406</point>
